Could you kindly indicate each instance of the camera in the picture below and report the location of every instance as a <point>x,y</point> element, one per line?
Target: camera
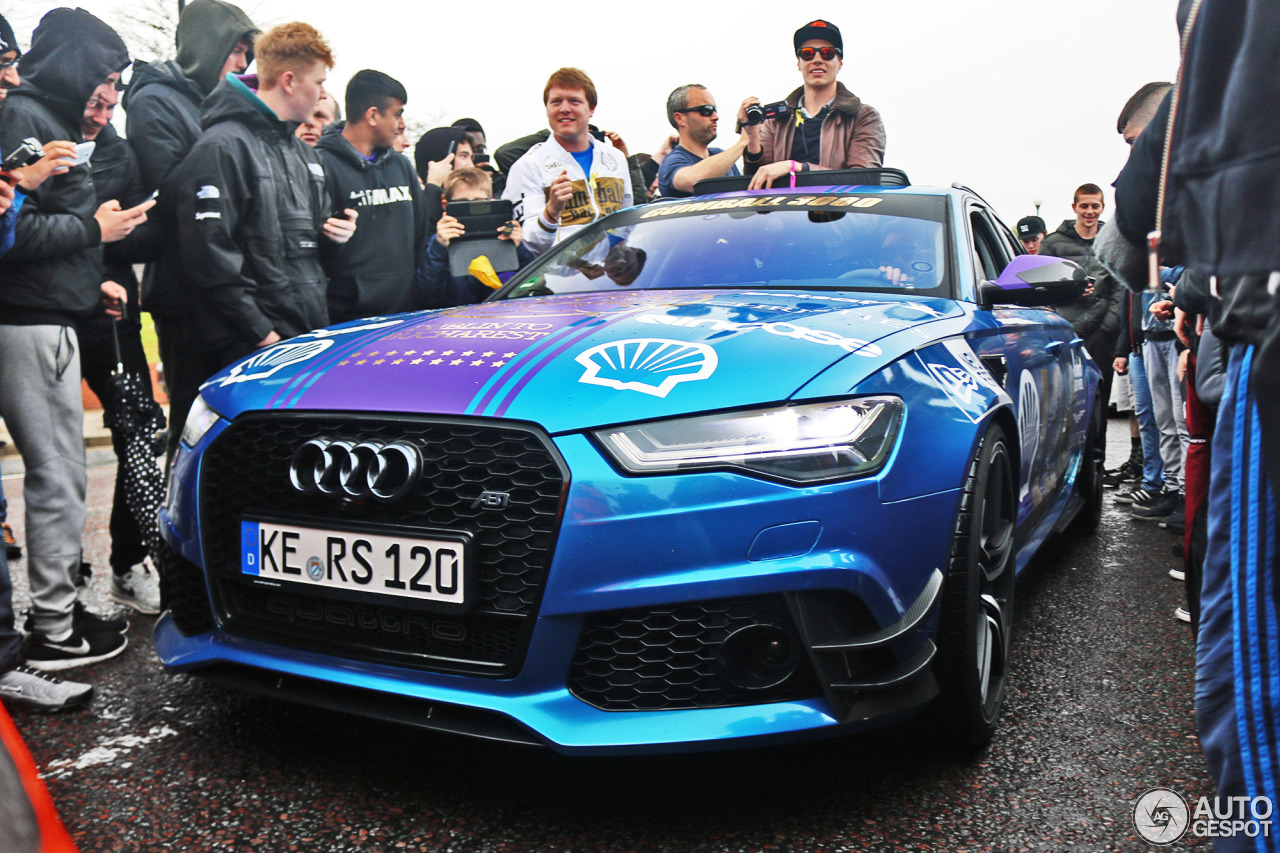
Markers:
<point>757,113</point>
<point>24,155</point>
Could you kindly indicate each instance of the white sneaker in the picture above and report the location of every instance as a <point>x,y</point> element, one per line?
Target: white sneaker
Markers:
<point>139,589</point>
<point>33,689</point>
<point>1178,574</point>
<point>1182,614</point>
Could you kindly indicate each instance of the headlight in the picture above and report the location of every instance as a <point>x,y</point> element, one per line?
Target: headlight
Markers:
<point>811,443</point>
<point>200,420</point>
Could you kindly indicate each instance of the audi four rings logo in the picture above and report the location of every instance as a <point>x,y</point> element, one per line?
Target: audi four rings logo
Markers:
<point>383,472</point>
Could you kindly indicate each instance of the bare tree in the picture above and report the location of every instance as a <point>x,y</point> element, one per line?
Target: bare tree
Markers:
<point>148,27</point>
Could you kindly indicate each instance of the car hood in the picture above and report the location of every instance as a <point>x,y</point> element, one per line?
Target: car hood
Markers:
<point>581,361</point>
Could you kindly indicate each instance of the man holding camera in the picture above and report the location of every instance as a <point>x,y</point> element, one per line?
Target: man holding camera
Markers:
<point>822,125</point>
<point>691,110</point>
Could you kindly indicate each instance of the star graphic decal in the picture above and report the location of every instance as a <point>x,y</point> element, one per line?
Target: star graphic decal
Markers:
<point>380,361</point>
<point>416,361</point>
<point>470,352</point>
<point>508,355</point>
<point>362,361</point>
<point>447,352</point>
<point>436,360</point>
<point>456,361</point>
<point>489,354</point>
<point>499,363</point>
<point>477,362</point>
<point>398,361</point>
<point>343,363</point>
<point>410,352</point>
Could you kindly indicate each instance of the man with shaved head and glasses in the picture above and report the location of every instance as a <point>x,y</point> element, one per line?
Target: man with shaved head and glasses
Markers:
<point>691,110</point>
<point>826,127</point>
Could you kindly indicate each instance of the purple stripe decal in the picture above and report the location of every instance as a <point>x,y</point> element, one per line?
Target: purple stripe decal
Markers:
<point>534,366</point>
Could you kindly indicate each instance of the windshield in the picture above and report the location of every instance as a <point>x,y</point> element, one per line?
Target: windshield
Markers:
<point>830,241</point>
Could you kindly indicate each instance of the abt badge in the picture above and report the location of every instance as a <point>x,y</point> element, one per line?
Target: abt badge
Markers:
<point>491,500</point>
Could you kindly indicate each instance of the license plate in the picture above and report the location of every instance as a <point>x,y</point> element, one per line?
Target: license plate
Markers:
<point>422,569</point>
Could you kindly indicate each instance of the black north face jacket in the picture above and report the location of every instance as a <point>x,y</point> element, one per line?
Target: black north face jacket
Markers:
<point>52,274</point>
<point>249,203</point>
<point>372,273</point>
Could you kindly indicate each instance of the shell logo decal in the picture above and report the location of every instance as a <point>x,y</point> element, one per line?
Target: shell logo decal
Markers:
<point>648,365</point>
<point>273,360</point>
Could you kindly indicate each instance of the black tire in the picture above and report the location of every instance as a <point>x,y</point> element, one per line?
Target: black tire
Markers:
<point>977,615</point>
<point>1089,481</point>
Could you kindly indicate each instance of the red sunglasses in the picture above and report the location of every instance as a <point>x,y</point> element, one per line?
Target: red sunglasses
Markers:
<point>827,53</point>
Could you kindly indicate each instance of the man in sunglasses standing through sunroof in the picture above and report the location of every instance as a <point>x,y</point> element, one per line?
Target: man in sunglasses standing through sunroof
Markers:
<point>827,126</point>
<point>691,110</point>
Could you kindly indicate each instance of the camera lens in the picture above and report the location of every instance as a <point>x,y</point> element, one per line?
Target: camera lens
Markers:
<point>755,114</point>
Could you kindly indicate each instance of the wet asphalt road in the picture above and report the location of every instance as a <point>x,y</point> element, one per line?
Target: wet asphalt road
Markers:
<point>1099,710</point>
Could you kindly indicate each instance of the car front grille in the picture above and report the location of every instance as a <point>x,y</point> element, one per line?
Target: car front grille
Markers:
<point>673,657</point>
<point>245,475</point>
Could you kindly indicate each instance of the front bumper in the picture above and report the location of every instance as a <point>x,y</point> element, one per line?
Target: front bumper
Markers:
<point>612,664</point>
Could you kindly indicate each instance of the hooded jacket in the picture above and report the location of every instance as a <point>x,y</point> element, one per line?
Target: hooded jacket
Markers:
<point>372,273</point>
<point>852,134</point>
<point>52,273</point>
<point>1096,318</point>
<point>115,175</point>
<point>249,204</point>
<point>163,99</point>
<point>162,106</point>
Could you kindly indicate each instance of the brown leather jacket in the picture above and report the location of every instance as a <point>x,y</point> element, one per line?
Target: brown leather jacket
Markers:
<point>852,135</point>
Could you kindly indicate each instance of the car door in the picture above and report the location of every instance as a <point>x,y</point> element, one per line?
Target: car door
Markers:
<point>1038,361</point>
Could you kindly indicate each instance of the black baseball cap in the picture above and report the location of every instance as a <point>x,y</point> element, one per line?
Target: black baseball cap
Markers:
<point>1030,226</point>
<point>819,29</point>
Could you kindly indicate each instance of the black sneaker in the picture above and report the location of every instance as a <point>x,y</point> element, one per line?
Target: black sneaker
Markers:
<point>79,649</point>
<point>1129,472</point>
<point>84,621</point>
<point>1176,521</point>
<point>1157,508</point>
<point>1136,495</point>
<point>33,689</point>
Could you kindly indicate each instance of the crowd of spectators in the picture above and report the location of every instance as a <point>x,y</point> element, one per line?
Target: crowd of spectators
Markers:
<point>262,208</point>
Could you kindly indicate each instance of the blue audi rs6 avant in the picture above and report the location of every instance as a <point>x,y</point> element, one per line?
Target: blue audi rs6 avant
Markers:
<point>743,468</point>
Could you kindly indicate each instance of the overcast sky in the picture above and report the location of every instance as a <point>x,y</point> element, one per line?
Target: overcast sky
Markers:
<point>1017,100</point>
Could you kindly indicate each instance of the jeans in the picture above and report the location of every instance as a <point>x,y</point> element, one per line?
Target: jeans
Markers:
<point>1152,467</point>
<point>1169,406</point>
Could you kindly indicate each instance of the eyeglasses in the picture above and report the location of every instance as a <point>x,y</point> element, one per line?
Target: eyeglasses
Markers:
<point>99,104</point>
<point>6,64</point>
<point>827,53</point>
<point>704,110</point>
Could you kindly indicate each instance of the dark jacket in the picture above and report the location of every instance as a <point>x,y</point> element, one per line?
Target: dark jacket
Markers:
<point>372,273</point>
<point>162,105</point>
<point>852,134</point>
<point>438,289</point>
<point>53,272</point>
<point>1096,318</point>
<point>250,203</point>
<point>1222,196</point>
<point>116,176</point>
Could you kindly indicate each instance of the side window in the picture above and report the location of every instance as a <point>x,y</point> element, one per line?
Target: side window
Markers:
<point>986,246</point>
